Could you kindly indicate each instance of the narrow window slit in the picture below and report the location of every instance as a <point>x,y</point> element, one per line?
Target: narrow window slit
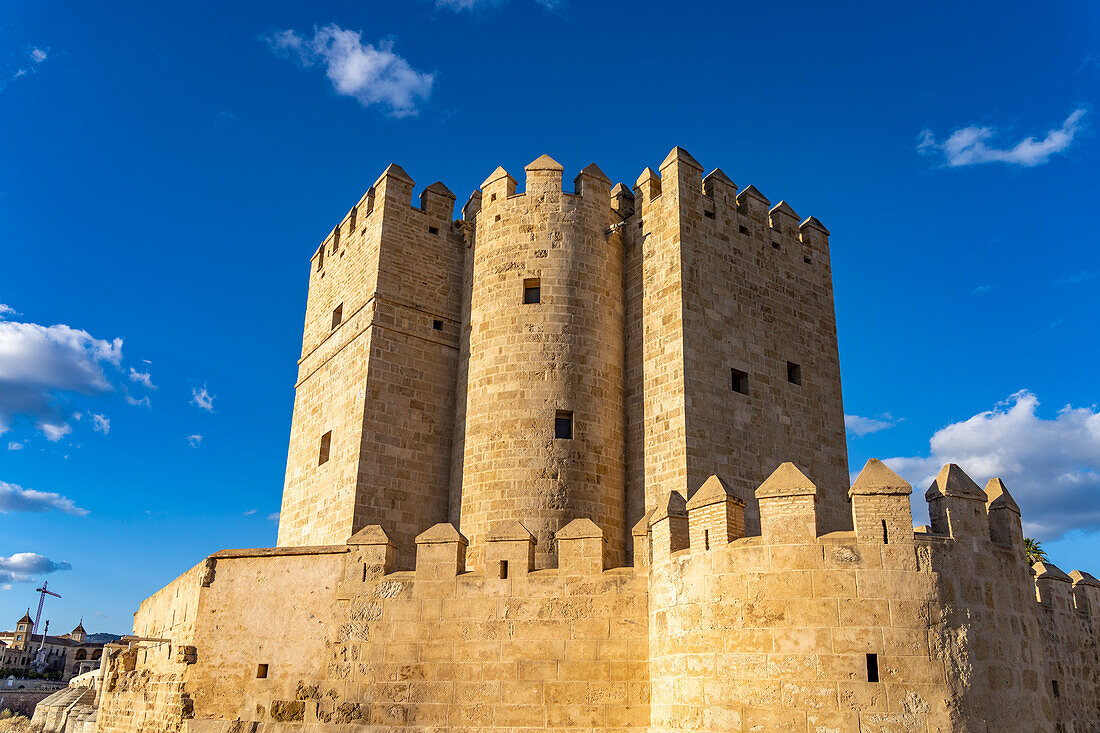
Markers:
<point>326,444</point>
<point>563,424</point>
<point>885,534</point>
<point>872,668</point>
<point>503,569</point>
<point>739,381</point>
<point>261,671</point>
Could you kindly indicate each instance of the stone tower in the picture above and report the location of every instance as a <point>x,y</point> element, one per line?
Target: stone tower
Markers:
<point>545,413</point>
<point>561,354</point>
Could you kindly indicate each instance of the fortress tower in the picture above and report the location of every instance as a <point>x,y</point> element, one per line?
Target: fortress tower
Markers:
<point>560,354</point>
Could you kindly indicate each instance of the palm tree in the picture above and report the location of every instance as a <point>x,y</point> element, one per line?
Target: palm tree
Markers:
<point>1034,550</point>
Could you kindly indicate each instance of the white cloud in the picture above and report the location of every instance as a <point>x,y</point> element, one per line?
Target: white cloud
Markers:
<point>970,145</point>
<point>14,498</point>
<point>101,424</point>
<point>980,290</point>
<point>194,440</point>
<point>274,517</point>
<point>12,445</point>
<point>371,74</point>
<point>143,402</point>
<point>23,566</point>
<point>1052,467</point>
<point>37,55</point>
<point>250,512</point>
<point>857,425</point>
<point>7,310</point>
<point>38,363</point>
<point>143,378</point>
<point>202,398</point>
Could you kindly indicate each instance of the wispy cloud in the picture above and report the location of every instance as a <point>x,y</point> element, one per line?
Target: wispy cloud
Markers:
<point>202,398</point>
<point>38,363</point>
<point>1051,466</point>
<point>459,5</point>
<point>12,445</point>
<point>273,517</point>
<point>371,74</point>
<point>6,310</point>
<point>194,440</point>
<point>22,567</point>
<point>33,58</point>
<point>101,424</point>
<point>857,425</point>
<point>980,290</point>
<point>972,145</point>
<point>143,402</point>
<point>14,498</point>
<point>250,512</point>
<point>143,378</point>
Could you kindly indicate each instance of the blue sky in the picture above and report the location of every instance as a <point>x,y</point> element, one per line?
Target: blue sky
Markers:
<point>168,169</point>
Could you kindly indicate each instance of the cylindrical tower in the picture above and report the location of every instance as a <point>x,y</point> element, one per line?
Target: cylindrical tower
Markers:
<point>545,416</point>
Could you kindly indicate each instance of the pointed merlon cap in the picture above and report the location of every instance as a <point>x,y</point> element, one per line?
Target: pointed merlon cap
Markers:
<point>876,478</point>
<point>26,618</point>
<point>1050,571</point>
<point>580,529</point>
<point>647,175</point>
<point>1080,577</point>
<point>593,171</point>
<point>784,208</point>
<point>750,191</point>
<point>496,176</point>
<point>510,531</point>
<point>812,222</point>
<point>440,189</point>
<point>679,155</point>
<point>713,491</point>
<point>997,496</point>
<point>953,481</point>
<point>620,189</point>
<point>79,629</point>
<point>393,170</point>
<point>672,505</point>
<point>441,533</point>
<point>786,480</point>
<point>718,175</point>
<point>641,527</point>
<point>543,163</point>
<point>372,534</point>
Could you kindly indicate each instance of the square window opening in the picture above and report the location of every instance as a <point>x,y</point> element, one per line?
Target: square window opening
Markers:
<point>775,245</point>
<point>337,315</point>
<point>794,373</point>
<point>708,214</point>
<point>433,230</point>
<point>261,671</point>
<point>532,291</point>
<point>807,260</point>
<point>563,424</point>
<point>326,444</point>
<point>742,229</point>
<point>437,325</point>
<point>497,218</point>
<point>739,381</point>
<point>872,668</point>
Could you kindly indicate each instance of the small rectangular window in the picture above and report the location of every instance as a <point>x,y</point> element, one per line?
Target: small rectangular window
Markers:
<point>872,668</point>
<point>261,671</point>
<point>739,381</point>
<point>532,291</point>
<point>563,424</point>
<point>742,229</point>
<point>807,259</point>
<point>1054,688</point>
<point>326,444</point>
<point>794,373</point>
<point>775,245</point>
<point>337,315</point>
<point>503,569</point>
<point>437,325</point>
<point>433,230</point>
<point>708,214</point>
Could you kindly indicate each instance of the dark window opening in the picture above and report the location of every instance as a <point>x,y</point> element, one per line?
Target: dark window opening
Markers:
<point>775,245</point>
<point>872,668</point>
<point>497,218</point>
<point>885,535</point>
<point>563,425</point>
<point>433,230</point>
<point>532,291</point>
<point>337,315</point>
<point>794,373</point>
<point>437,325</point>
<point>326,444</point>
<point>503,569</point>
<point>708,214</point>
<point>493,198</point>
<point>807,260</point>
<point>706,539</point>
<point>739,381</point>
<point>1054,688</point>
<point>261,671</point>
<point>742,229</point>
<point>640,224</point>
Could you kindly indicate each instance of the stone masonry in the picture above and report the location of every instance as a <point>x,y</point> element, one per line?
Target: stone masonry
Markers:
<point>576,461</point>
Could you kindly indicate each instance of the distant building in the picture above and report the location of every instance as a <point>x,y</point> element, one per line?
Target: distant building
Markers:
<point>71,654</point>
